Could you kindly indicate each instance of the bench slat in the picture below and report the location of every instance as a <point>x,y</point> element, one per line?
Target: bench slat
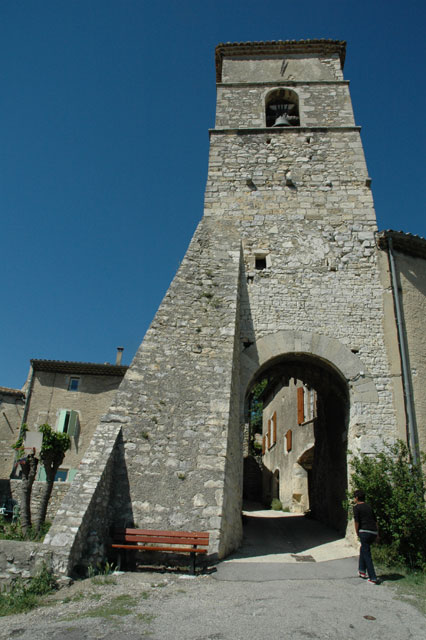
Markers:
<point>161,539</point>
<point>145,548</point>
<point>158,533</point>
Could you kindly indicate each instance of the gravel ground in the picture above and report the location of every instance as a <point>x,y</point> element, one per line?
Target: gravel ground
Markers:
<point>256,602</point>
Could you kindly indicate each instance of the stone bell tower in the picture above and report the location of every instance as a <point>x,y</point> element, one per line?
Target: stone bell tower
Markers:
<point>280,279</point>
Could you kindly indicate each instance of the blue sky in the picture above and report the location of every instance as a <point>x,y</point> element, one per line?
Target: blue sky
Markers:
<point>104,115</point>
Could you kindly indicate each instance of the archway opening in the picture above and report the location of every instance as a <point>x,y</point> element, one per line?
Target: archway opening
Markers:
<point>297,410</point>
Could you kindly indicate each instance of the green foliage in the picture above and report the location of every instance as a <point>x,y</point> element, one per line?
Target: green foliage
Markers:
<point>101,574</point>
<point>276,504</point>
<point>256,407</point>
<point>54,444</point>
<point>119,606</point>
<point>19,444</point>
<point>13,531</point>
<point>24,596</point>
<point>395,487</point>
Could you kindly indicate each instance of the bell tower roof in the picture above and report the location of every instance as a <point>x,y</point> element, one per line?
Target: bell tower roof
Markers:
<point>277,47</point>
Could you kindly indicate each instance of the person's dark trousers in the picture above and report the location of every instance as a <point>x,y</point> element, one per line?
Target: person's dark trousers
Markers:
<point>365,560</point>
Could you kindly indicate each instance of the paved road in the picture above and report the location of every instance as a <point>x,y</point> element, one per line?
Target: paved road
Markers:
<point>249,597</point>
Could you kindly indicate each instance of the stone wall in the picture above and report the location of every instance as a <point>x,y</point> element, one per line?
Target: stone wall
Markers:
<point>293,483</point>
<point>319,235</point>
<point>412,287</point>
<point>324,104</point>
<point>22,559</point>
<point>80,533</point>
<point>412,274</point>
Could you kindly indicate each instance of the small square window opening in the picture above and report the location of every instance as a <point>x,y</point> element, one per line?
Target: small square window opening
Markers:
<point>260,263</point>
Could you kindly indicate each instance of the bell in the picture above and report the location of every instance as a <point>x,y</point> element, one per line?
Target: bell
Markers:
<point>281,121</point>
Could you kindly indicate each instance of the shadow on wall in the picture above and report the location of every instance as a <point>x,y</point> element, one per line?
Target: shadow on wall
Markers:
<point>121,511</point>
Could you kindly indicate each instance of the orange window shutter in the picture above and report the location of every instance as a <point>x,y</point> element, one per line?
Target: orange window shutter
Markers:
<point>274,428</point>
<point>288,439</point>
<point>300,405</point>
<point>263,445</point>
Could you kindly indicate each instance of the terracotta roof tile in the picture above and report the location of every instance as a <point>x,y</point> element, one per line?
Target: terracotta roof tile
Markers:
<point>404,242</point>
<point>66,366</point>
<point>12,392</point>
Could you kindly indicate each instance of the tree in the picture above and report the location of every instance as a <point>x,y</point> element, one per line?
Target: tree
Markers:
<point>52,453</point>
<point>395,487</point>
<point>28,464</point>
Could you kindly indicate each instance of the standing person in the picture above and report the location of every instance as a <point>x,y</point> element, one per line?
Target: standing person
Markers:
<point>367,531</point>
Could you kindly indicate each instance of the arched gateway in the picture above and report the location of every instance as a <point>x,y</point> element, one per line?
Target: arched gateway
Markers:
<point>280,276</point>
<point>342,389</point>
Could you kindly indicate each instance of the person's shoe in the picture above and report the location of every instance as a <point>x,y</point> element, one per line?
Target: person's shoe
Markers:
<point>362,575</point>
<point>372,581</point>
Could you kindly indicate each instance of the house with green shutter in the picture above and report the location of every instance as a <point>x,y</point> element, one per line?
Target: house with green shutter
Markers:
<point>71,397</point>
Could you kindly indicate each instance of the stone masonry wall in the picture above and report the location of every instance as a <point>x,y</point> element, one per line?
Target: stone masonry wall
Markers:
<point>320,104</point>
<point>22,560</point>
<point>318,232</point>
<point>80,533</point>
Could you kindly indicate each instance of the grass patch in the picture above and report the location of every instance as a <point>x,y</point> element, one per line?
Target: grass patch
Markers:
<point>120,606</point>
<point>24,596</point>
<point>410,585</point>
<point>146,617</point>
<point>101,580</point>
<point>12,531</point>
<point>412,588</point>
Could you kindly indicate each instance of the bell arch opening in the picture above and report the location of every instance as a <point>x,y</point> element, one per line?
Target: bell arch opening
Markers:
<point>297,409</point>
<point>282,108</point>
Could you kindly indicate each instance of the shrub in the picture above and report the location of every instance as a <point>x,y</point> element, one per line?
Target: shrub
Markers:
<point>394,487</point>
<point>276,504</point>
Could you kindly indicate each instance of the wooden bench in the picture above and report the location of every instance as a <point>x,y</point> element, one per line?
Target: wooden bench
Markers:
<point>191,542</point>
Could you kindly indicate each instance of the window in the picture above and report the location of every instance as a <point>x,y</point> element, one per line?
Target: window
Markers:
<point>272,430</point>
<point>282,108</point>
<point>288,441</point>
<point>62,475</point>
<point>73,384</point>
<point>260,263</point>
<point>68,422</point>
<point>300,405</point>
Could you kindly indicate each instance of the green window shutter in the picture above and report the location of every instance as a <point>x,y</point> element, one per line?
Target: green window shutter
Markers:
<point>73,425</point>
<point>41,474</point>
<point>71,474</point>
<point>61,421</point>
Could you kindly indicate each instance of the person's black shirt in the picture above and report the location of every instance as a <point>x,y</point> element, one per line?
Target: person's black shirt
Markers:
<point>364,515</point>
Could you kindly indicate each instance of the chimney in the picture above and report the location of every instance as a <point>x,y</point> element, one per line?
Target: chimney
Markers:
<point>119,355</point>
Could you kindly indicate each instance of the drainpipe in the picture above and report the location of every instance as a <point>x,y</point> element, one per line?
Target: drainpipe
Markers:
<point>406,379</point>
